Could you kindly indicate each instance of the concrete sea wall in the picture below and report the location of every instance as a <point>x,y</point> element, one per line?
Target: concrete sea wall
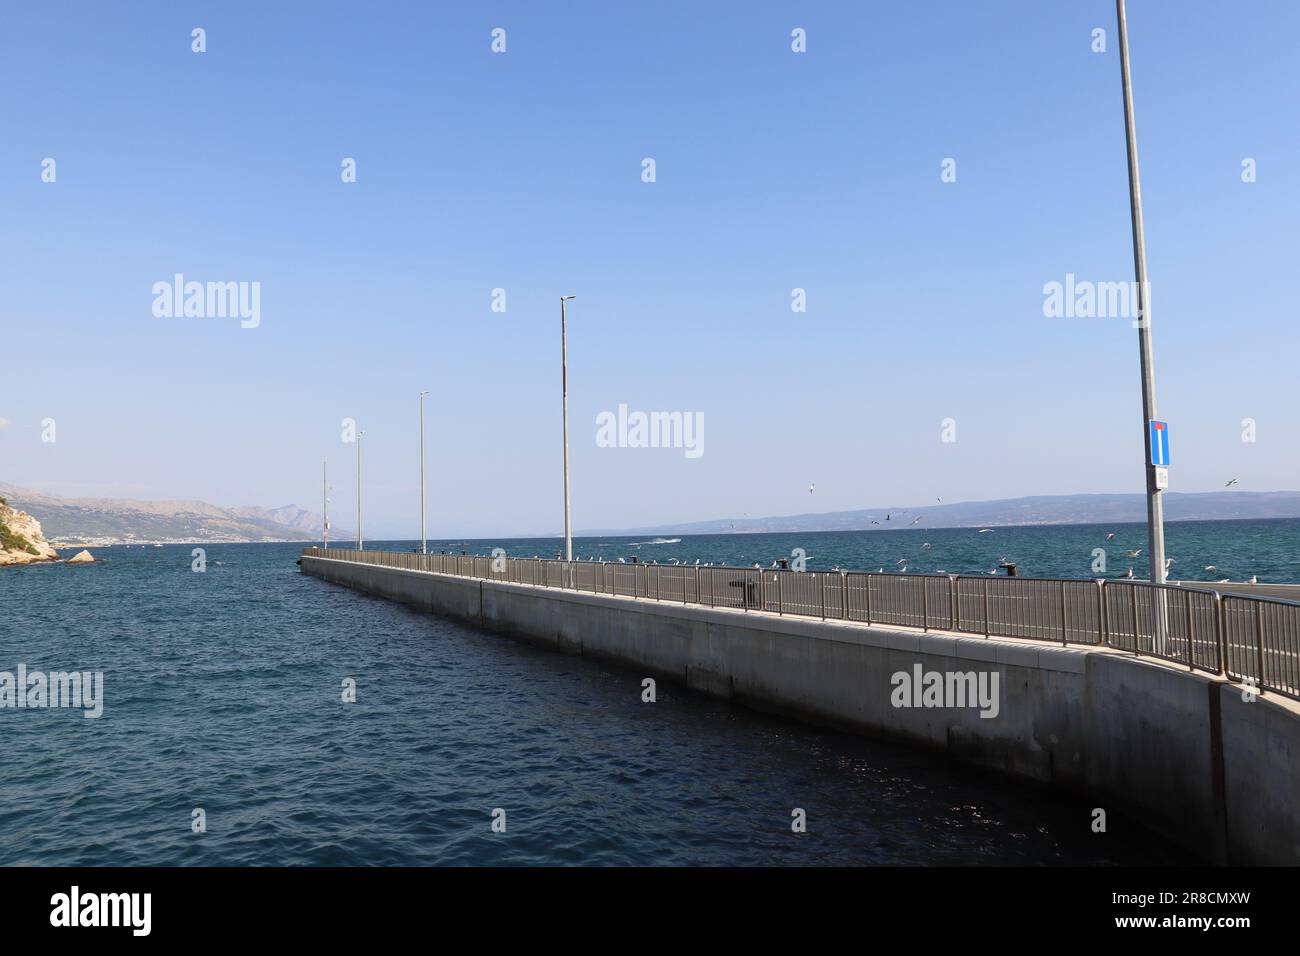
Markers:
<point>1180,750</point>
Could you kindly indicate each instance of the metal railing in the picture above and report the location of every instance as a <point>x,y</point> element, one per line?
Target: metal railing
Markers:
<point>1242,637</point>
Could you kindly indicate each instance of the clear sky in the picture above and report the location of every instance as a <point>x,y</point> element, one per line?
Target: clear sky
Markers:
<point>522,171</point>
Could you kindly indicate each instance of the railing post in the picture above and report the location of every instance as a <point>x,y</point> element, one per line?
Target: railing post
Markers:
<point>1220,643</point>
<point>821,587</point>
<point>844,594</point>
<point>1191,644</point>
<point>1259,641</point>
<point>986,608</point>
<point>954,602</point>
<point>868,601</point>
<point>1103,632</point>
<point>925,605</point>
<point>1136,649</point>
<point>780,601</point>
<point>658,593</point>
<point>1065,619</point>
<point>698,598</point>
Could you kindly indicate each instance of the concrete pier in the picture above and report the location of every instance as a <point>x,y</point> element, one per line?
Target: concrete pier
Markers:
<point>1179,750</point>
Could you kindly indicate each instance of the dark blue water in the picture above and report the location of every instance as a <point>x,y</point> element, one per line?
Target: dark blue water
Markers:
<point>222,691</point>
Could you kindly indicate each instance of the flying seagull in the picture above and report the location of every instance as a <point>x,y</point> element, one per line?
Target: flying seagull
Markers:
<point>927,545</point>
<point>1111,536</point>
<point>811,487</point>
<point>1132,554</point>
<point>1210,567</point>
<point>917,518</point>
<point>986,531</point>
<point>1231,482</point>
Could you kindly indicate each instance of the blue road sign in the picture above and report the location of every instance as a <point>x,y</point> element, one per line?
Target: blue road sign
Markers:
<point>1159,442</point>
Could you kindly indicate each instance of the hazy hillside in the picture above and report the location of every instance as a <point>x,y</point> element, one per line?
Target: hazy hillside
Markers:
<point>1040,509</point>
<point>117,520</point>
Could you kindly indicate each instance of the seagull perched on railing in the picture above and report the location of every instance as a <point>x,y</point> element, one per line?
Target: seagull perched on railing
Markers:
<point>1128,575</point>
<point>1252,580</point>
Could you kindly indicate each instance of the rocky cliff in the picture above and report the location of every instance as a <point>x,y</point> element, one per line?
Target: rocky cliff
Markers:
<point>21,540</point>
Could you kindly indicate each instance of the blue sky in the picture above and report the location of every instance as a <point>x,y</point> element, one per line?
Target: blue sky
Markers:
<point>522,171</point>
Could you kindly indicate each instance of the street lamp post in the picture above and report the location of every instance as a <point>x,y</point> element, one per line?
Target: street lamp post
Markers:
<point>424,545</point>
<point>325,504</point>
<point>360,545</point>
<point>564,389</point>
<point>1155,504</point>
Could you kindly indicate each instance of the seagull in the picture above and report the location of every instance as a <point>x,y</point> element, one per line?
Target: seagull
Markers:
<point>1168,561</point>
<point>1210,567</point>
<point>986,531</point>
<point>927,545</point>
<point>1132,554</point>
<point>1252,580</point>
<point>917,518</point>
<point>1231,482</point>
<point>901,561</point>
<point>622,561</point>
<point>1128,575</point>
<point>1222,581</point>
<point>1111,536</point>
<point>811,487</point>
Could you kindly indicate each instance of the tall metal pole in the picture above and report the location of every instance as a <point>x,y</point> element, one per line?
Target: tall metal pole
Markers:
<point>424,542</point>
<point>564,388</point>
<point>1155,505</point>
<point>360,546</point>
<point>325,504</point>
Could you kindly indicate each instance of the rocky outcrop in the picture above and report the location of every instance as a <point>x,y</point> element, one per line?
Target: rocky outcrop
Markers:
<point>82,557</point>
<point>21,540</point>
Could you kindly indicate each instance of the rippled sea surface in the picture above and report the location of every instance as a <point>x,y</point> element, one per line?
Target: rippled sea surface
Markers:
<point>222,692</point>
<point>1268,549</point>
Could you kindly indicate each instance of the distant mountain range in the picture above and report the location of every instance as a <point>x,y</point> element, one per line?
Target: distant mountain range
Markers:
<point>105,521</point>
<point>1036,510</point>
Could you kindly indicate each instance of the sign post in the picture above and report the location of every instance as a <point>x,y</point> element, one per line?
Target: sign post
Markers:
<point>1155,506</point>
